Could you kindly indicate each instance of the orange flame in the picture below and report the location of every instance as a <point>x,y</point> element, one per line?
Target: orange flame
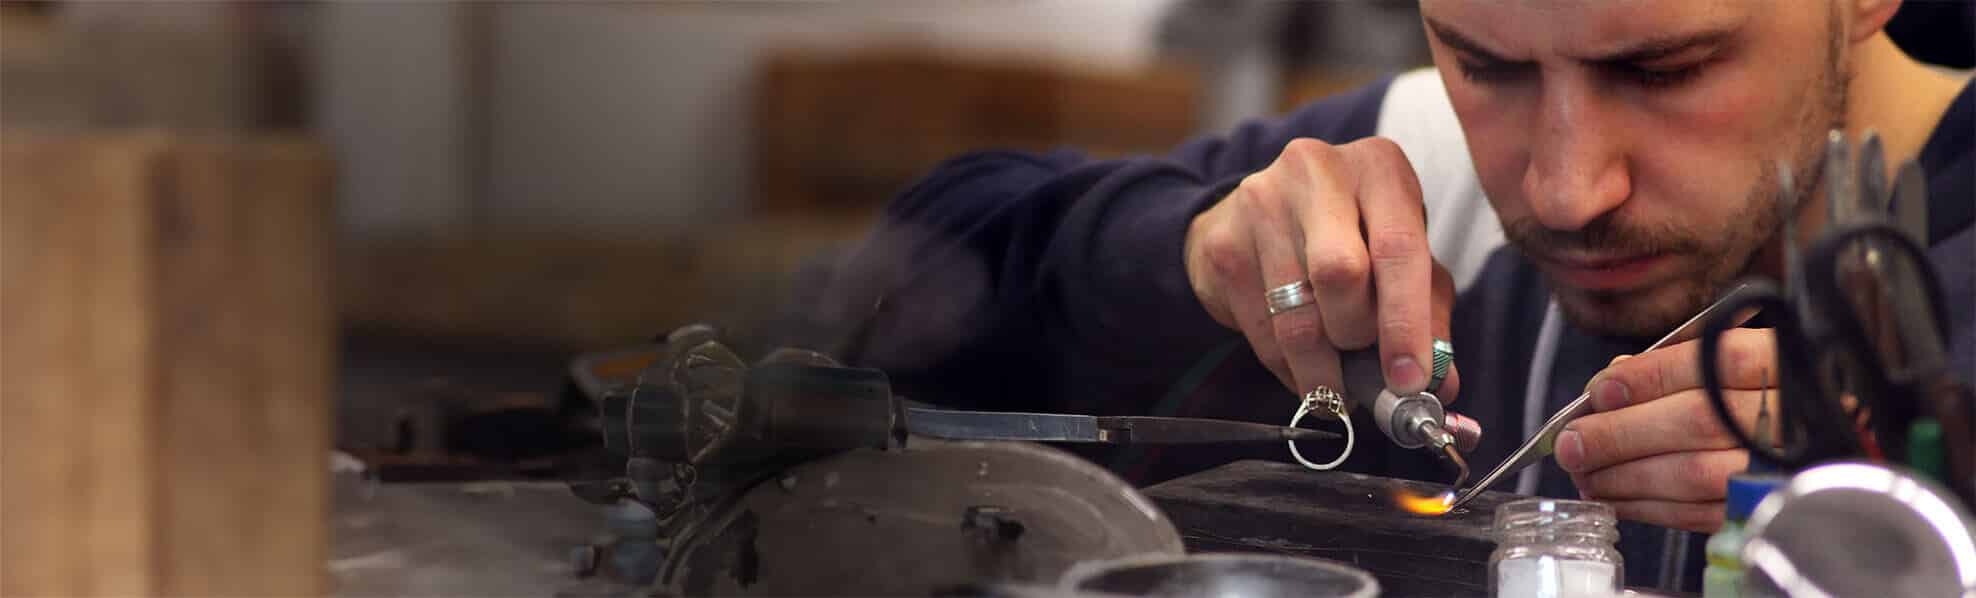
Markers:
<point>1424,505</point>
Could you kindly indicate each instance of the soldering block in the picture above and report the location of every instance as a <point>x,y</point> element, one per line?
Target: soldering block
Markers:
<point>1261,506</point>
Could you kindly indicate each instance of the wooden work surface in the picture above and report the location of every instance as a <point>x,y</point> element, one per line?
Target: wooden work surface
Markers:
<point>1259,506</point>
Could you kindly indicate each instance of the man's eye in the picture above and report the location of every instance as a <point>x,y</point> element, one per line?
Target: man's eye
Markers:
<point>1492,72</point>
<point>1661,77</point>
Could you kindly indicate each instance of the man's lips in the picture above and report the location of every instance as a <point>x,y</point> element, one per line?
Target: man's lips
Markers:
<point>1606,273</point>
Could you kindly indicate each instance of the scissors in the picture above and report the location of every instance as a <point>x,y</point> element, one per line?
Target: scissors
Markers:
<point>1860,354</point>
<point>1542,444</point>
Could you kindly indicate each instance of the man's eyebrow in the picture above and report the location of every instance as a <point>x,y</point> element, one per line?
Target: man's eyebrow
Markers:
<point>1663,46</point>
<point>1643,51</point>
<point>1461,42</point>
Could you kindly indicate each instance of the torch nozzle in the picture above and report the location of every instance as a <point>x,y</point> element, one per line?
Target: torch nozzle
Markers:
<point>1440,438</point>
<point>1461,465</point>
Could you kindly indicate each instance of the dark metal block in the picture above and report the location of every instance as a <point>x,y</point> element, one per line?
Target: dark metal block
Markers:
<point>1260,506</point>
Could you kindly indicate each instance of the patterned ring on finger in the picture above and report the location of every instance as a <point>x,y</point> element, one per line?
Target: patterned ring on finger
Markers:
<point>1444,359</point>
<point>1290,296</point>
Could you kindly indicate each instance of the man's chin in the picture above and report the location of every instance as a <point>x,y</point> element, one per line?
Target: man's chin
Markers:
<point>1640,313</point>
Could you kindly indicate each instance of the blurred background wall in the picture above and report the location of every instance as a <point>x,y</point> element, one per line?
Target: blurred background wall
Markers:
<point>619,120</point>
<point>646,132</point>
<point>570,175</point>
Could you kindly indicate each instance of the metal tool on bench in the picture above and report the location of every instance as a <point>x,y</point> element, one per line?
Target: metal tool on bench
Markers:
<point>825,483</point>
<point>1062,427</point>
<point>690,427</point>
<point>1542,444</point>
<point>810,406</point>
<point>708,405</point>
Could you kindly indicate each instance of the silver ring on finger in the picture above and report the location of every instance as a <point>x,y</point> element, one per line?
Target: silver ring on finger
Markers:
<point>1290,296</point>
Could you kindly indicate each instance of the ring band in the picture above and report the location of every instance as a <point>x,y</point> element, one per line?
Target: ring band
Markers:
<point>1323,400</point>
<point>1289,297</point>
<point>1444,360</point>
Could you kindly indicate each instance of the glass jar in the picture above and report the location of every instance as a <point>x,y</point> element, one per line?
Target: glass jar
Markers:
<point>1550,548</point>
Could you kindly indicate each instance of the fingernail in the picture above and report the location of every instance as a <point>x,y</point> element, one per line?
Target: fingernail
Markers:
<point>1405,376</point>
<point>1570,450</point>
<point>1608,394</point>
<point>1616,360</point>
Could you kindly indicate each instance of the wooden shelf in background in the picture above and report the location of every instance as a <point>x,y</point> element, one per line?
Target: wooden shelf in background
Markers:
<point>164,393</point>
<point>849,129</point>
<point>571,292</point>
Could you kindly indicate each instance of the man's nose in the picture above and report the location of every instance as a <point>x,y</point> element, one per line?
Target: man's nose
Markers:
<point>1577,169</point>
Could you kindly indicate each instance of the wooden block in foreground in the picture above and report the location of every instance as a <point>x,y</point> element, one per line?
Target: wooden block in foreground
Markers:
<point>165,365</point>
<point>1260,506</point>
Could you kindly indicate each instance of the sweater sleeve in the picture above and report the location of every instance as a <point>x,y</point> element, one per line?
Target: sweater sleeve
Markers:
<point>1048,281</point>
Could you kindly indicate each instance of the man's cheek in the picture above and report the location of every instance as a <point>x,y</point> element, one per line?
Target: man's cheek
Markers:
<point>1727,103</point>
<point>1501,177</point>
<point>1498,134</point>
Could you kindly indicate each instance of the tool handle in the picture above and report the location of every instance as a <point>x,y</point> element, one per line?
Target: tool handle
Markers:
<point>802,406</point>
<point>1364,378</point>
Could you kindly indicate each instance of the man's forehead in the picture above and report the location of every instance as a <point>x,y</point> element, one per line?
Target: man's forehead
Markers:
<point>1550,29</point>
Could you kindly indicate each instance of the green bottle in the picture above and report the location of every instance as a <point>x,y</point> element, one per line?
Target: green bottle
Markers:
<point>1924,449</point>
<point>1723,578</point>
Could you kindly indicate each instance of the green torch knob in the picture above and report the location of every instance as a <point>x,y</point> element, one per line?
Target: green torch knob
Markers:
<point>1444,360</point>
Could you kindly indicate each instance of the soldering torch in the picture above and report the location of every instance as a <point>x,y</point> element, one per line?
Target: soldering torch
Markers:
<point>1413,420</point>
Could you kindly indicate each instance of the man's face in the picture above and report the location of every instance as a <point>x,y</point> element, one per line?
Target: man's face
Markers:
<point>1630,147</point>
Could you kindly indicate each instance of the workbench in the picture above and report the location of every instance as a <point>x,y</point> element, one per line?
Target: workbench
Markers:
<point>1282,508</point>
<point>518,538</point>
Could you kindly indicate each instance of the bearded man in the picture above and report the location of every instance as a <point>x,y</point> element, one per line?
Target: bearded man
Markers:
<point>1570,181</point>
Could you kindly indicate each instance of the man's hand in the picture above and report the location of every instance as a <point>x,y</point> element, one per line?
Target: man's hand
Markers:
<point>1654,448</point>
<point>1349,220</point>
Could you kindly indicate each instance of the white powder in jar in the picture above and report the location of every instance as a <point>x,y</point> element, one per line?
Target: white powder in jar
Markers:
<point>1551,577</point>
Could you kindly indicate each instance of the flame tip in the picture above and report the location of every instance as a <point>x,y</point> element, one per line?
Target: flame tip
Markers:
<point>1425,505</point>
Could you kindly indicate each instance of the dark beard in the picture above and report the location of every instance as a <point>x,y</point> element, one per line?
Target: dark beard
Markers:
<point>1715,261</point>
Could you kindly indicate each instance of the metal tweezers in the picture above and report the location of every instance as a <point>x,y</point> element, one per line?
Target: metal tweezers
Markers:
<point>1542,444</point>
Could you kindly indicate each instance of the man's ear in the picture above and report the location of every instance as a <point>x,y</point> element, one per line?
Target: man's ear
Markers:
<point>1870,16</point>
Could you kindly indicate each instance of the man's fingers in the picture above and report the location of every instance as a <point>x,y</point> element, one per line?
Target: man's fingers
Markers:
<point>1698,517</point>
<point>1232,288</point>
<point>1693,476</point>
<point>1300,333</point>
<point>1349,221</point>
<point>1333,248</point>
<point>1746,355</point>
<point>1682,422</point>
<point>1402,267</point>
<point>1311,359</point>
<point>1256,327</point>
<point>1450,386</point>
<point>1218,251</point>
